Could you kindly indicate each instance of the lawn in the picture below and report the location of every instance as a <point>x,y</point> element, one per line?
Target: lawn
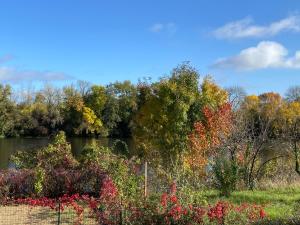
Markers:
<point>279,203</point>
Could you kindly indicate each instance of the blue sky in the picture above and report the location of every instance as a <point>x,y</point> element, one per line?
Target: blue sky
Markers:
<point>252,44</point>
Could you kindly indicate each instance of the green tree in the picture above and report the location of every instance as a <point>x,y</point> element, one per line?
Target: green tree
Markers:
<point>7,110</point>
<point>80,119</point>
<point>96,99</point>
<point>162,123</point>
<point>120,106</point>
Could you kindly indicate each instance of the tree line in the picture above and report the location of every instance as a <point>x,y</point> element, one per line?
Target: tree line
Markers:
<point>114,110</point>
<point>177,121</point>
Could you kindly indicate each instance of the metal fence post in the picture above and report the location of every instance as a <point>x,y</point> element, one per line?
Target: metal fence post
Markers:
<point>121,212</point>
<point>146,180</point>
<point>58,214</point>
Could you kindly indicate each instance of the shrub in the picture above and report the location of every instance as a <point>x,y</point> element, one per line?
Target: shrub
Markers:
<point>16,183</point>
<point>57,172</point>
<point>124,172</point>
<point>172,211</point>
<point>226,175</point>
<point>108,208</point>
<point>54,155</point>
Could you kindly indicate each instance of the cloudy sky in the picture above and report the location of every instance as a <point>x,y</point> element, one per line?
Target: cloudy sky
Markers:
<point>253,44</point>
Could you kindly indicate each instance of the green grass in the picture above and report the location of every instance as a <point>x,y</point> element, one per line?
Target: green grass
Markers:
<point>278,203</point>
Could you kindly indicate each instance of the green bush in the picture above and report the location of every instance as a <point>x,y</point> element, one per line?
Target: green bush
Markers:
<point>226,175</point>
<point>56,172</point>
<point>124,172</point>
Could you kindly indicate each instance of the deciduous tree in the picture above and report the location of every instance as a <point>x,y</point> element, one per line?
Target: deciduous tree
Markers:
<point>208,134</point>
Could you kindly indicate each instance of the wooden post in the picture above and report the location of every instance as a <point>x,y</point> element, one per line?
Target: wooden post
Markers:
<point>146,180</point>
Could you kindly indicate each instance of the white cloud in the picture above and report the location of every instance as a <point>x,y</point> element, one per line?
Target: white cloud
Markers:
<point>245,28</point>
<point>15,75</point>
<point>163,27</point>
<point>11,74</point>
<point>266,54</point>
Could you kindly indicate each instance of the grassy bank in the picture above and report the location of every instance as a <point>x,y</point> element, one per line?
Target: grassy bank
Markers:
<point>278,203</point>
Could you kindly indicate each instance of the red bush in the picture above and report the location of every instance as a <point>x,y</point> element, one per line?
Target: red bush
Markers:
<point>108,209</point>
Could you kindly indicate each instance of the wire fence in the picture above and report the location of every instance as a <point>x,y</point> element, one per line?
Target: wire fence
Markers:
<point>26,215</point>
<point>15,213</point>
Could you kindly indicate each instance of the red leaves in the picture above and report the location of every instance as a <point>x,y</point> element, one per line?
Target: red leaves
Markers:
<point>209,133</point>
<point>107,209</point>
<point>176,212</point>
<point>57,204</point>
<point>262,213</point>
<point>43,202</point>
<point>218,212</point>
<point>173,210</point>
<point>108,191</point>
<point>106,198</point>
<point>173,199</point>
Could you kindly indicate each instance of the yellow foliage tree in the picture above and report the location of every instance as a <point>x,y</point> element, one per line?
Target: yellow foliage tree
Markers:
<point>211,94</point>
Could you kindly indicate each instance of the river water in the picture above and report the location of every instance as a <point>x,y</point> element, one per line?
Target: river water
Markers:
<point>9,146</point>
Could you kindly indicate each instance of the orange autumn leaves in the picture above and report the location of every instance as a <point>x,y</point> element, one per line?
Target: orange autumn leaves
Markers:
<point>208,134</point>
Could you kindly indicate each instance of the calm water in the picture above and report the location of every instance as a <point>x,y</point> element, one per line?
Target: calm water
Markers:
<point>8,146</point>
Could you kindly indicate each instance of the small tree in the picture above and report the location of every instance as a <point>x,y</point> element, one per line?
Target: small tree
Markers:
<point>290,120</point>
<point>256,127</point>
<point>208,134</point>
<point>161,125</point>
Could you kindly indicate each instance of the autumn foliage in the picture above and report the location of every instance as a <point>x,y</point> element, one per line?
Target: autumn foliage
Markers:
<point>108,210</point>
<point>208,134</point>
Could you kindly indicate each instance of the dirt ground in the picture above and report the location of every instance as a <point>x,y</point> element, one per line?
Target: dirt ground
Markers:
<point>25,215</point>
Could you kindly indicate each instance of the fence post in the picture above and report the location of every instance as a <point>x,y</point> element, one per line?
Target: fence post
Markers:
<point>121,212</point>
<point>146,180</point>
<point>58,215</point>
